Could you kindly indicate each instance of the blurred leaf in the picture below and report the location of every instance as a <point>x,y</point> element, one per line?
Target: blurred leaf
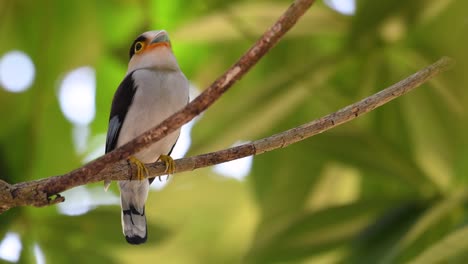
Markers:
<point>118,21</point>
<point>88,237</point>
<point>451,246</point>
<point>373,155</point>
<point>112,73</point>
<point>314,232</point>
<point>428,220</point>
<point>251,19</point>
<point>371,245</point>
<point>292,177</point>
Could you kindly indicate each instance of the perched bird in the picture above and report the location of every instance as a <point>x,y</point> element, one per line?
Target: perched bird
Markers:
<point>153,89</point>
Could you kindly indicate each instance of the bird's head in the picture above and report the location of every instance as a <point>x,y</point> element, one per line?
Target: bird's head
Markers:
<point>152,49</point>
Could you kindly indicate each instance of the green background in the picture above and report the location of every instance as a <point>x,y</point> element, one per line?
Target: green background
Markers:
<point>389,187</point>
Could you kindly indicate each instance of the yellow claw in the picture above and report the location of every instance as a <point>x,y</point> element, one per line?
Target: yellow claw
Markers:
<point>142,171</point>
<point>170,164</point>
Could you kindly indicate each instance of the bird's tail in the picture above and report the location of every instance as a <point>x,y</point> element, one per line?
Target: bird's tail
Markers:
<point>134,225</point>
<point>133,217</point>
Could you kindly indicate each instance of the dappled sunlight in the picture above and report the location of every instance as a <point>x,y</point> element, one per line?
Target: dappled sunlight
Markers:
<point>16,71</point>
<point>10,247</point>
<point>39,254</point>
<point>160,182</point>
<point>97,148</point>
<point>77,102</point>
<point>336,185</point>
<point>345,7</point>
<point>80,135</point>
<point>236,169</point>
<point>81,200</point>
<point>76,95</point>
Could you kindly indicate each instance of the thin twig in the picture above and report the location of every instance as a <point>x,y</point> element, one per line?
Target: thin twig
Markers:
<point>37,193</point>
<point>296,134</point>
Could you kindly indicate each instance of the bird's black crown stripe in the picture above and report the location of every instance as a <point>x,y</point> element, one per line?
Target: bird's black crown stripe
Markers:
<point>132,48</point>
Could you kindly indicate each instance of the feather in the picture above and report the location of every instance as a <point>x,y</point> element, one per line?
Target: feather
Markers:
<point>123,98</point>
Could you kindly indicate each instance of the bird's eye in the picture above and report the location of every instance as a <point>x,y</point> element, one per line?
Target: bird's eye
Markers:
<point>139,46</point>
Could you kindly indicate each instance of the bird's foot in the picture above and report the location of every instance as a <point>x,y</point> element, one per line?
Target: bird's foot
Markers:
<point>170,165</point>
<point>142,171</point>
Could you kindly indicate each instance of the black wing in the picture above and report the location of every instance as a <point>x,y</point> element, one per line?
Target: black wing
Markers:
<point>123,98</point>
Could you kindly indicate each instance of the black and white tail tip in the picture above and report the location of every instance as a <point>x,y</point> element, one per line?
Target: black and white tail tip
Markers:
<point>134,223</point>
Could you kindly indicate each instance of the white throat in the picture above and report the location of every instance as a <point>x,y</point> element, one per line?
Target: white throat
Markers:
<point>160,58</point>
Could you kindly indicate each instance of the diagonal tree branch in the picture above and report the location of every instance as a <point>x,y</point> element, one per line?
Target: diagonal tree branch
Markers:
<point>294,135</point>
<point>120,170</point>
<point>39,194</point>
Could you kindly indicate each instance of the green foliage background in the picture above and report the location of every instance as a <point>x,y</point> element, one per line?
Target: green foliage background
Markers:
<point>389,187</point>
